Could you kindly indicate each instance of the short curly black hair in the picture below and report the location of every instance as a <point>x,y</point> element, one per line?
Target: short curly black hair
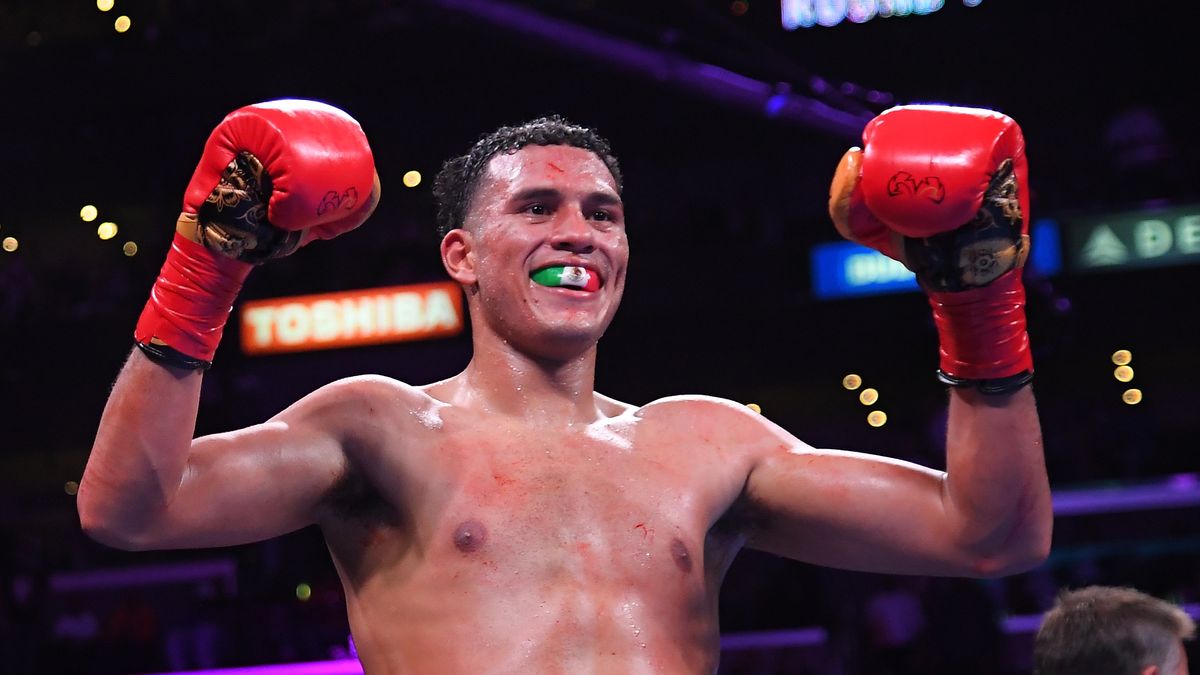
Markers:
<point>455,183</point>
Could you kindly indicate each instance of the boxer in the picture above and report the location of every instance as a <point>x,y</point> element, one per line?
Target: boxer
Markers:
<point>510,519</point>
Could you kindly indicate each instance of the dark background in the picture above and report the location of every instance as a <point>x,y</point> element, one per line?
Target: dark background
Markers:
<point>715,189</point>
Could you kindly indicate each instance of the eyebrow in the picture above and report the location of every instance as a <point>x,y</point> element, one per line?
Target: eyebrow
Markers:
<point>604,198</point>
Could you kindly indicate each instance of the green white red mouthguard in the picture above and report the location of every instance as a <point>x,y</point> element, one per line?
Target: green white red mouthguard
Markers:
<point>569,276</point>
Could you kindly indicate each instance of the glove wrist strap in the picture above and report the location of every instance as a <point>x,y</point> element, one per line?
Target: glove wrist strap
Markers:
<point>189,305</point>
<point>164,355</point>
<point>1003,385</point>
<point>982,331</point>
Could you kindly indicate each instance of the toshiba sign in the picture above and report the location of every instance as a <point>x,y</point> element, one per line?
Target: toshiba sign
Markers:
<point>352,318</point>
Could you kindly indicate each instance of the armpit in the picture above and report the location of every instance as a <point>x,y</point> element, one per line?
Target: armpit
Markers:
<point>741,519</point>
<point>355,497</point>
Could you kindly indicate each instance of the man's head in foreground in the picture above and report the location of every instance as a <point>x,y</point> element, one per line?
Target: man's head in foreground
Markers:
<point>1102,630</point>
<point>533,228</point>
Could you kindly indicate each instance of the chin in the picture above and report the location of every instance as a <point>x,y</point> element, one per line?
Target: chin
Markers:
<point>572,336</point>
<point>571,322</point>
<point>563,339</point>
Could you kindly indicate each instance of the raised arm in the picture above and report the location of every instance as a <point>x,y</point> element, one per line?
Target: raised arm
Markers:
<point>149,485</point>
<point>273,176</point>
<point>988,514</point>
<point>944,191</point>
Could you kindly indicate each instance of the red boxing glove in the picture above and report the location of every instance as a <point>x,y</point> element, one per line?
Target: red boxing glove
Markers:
<point>273,177</point>
<point>944,190</point>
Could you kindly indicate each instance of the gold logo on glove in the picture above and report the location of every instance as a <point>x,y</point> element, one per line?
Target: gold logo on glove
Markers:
<point>233,219</point>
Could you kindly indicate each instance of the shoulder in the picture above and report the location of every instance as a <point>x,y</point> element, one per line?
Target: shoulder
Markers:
<point>720,421</point>
<point>696,404</point>
<point>611,407</point>
<point>675,407</point>
<point>347,403</point>
<point>369,389</point>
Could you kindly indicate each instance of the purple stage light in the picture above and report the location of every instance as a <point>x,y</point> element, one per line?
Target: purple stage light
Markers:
<point>775,639</point>
<point>336,667</point>
<point>813,636</point>
<point>664,66</point>
<point>1178,491</point>
<point>223,569</point>
<point>1029,623</point>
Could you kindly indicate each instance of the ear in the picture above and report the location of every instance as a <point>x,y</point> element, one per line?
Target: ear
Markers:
<point>458,256</point>
<point>1149,670</point>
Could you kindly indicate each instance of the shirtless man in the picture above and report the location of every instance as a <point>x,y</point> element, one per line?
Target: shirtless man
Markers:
<point>510,519</point>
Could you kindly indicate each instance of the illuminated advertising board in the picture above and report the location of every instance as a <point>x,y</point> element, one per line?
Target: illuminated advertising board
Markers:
<point>1135,239</point>
<point>845,269</point>
<point>352,318</point>
<point>808,13</point>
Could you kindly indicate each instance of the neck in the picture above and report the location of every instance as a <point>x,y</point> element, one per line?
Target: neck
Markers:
<point>502,379</point>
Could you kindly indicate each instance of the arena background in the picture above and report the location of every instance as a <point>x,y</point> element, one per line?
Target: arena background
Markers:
<point>708,104</point>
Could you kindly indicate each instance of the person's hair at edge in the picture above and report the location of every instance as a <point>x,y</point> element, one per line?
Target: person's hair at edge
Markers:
<point>455,184</point>
<point>1100,630</point>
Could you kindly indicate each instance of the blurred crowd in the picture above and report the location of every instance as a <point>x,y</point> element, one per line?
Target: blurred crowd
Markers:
<point>257,606</point>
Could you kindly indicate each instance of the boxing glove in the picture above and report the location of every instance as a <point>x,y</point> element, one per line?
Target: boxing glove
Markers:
<point>273,176</point>
<point>944,190</point>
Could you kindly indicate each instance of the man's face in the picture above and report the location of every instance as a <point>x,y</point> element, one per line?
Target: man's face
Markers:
<point>547,207</point>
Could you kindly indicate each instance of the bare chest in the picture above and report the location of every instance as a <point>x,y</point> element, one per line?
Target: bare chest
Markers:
<point>580,507</point>
<point>603,505</point>
<point>550,547</point>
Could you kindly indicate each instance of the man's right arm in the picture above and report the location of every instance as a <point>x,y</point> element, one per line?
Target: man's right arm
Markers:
<point>272,177</point>
<point>149,485</point>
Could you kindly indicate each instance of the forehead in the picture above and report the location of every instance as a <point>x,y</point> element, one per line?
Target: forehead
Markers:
<point>564,167</point>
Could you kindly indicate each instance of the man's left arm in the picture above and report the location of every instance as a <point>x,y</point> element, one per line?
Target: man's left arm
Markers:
<point>988,514</point>
<point>944,191</point>
<point>995,488</point>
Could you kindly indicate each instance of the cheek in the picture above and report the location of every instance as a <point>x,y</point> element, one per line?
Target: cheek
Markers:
<point>496,256</point>
<point>615,241</point>
<point>619,253</point>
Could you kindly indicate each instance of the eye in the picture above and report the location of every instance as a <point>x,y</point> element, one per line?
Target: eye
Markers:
<point>601,215</point>
<point>537,209</point>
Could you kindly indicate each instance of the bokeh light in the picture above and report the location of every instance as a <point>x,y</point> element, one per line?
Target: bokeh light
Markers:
<point>9,244</point>
<point>868,396</point>
<point>122,23</point>
<point>852,382</point>
<point>105,5</point>
<point>88,213</point>
<point>877,418</point>
<point>107,230</point>
<point>1123,373</point>
<point>71,487</point>
<point>1122,357</point>
<point>129,249</point>
<point>755,407</point>
<point>411,178</point>
<point>1132,396</point>
<point>303,592</point>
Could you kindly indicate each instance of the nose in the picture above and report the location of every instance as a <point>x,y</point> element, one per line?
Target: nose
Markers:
<point>573,233</point>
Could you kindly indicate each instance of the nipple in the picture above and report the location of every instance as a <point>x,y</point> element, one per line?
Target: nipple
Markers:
<point>470,536</point>
<point>683,559</point>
